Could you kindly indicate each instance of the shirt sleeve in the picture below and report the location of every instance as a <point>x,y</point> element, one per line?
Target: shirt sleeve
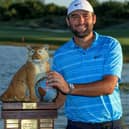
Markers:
<point>113,60</point>
<point>56,65</point>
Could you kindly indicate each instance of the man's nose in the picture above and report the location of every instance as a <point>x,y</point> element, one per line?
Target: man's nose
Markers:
<point>81,19</point>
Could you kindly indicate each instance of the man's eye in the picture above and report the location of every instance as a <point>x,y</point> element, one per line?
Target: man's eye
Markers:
<point>85,16</point>
<point>74,16</point>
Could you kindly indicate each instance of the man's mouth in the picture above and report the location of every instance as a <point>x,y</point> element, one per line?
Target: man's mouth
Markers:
<point>81,28</point>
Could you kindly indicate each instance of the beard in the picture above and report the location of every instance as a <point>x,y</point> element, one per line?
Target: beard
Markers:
<point>82,34</point>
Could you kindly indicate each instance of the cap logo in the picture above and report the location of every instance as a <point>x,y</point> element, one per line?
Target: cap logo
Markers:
<point>80,5</point>
<point>77,4</point>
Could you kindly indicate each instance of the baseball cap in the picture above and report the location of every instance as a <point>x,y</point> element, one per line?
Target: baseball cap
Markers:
<point>79,5</point>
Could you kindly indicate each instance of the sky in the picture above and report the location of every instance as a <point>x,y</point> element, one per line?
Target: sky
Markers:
<point>67,2</point>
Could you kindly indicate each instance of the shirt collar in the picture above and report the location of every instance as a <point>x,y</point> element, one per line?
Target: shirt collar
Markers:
<point>94,43</point>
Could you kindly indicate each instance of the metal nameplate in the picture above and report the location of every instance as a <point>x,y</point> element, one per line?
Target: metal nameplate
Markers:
<point>29,124</point>
<point>29,105</point>
<point>12,123</point>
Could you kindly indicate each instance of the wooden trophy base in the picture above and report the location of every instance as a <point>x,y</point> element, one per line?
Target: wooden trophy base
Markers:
<point>29,115</point>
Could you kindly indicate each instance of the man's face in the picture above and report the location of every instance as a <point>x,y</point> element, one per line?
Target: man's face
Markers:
<point>81,23</point>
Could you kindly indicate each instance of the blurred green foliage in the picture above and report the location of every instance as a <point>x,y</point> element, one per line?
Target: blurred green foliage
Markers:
<point>53,16</point>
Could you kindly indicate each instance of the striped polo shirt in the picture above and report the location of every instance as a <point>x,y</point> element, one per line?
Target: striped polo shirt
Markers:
<point>78,65</point>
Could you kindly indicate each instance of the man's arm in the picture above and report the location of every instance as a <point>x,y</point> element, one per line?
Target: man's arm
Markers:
<point>102,87</point>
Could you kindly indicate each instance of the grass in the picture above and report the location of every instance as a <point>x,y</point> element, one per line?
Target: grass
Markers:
<point>14,35</point>
<point>11,34</point>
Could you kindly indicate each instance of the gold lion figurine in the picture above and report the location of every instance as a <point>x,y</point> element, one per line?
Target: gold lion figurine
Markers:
<point>22,86</point>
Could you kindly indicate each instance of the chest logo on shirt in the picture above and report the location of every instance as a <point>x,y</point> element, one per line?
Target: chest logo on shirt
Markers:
<point>97,56</point>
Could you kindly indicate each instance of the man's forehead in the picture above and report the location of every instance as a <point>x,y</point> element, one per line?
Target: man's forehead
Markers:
<point>80,12</point>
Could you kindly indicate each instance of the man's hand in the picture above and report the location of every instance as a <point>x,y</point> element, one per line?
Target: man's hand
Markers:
<point>56,80</point>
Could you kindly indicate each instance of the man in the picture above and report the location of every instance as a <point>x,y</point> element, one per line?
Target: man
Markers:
<point>88,69</point>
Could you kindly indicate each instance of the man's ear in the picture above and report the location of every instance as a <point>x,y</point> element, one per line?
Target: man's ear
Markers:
<point>94,18</point>
<point>67,21</point>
